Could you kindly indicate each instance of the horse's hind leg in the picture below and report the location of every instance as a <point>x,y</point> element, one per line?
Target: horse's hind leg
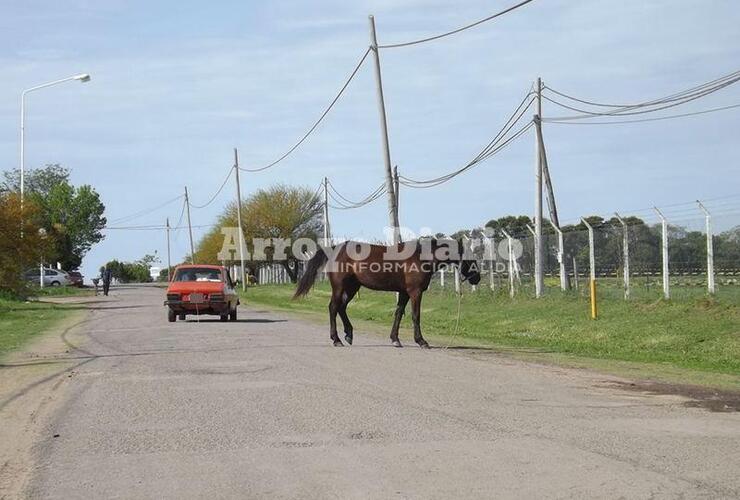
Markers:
<point>349,293</point>
<point>416,317</point>
<point>334,305</point>
<point>403,299</point>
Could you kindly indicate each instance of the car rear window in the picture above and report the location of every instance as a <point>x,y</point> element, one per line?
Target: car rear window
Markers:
<point>197,274</point>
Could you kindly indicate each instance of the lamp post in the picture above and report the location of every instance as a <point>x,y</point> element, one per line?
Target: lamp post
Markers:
<point>84,77</point>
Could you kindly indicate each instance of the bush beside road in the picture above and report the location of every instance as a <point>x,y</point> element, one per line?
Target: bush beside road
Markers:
<point>699,334</point>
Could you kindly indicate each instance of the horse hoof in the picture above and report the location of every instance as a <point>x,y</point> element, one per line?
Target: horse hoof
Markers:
<point>348,339</point>
<point>424,345</point>
<point>338,343</point>
<point>396,343</point>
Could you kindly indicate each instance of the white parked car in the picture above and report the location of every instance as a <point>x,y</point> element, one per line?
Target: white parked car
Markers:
<point>52,277</point>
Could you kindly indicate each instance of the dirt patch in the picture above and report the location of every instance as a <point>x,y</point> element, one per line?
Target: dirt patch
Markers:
<point>715,400</point>
<point>31,386</point>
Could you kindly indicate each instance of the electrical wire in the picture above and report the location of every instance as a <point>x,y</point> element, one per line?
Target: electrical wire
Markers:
<point>344,203</point>
<point>494,146</point>
<point>641,120</point>
<point>316,123</point>
<point>445,178</point>
<point>215,195</point>
<point>651,106</point>
<point>654,101</point>
<point>143,212</point>
<point>458,30</point>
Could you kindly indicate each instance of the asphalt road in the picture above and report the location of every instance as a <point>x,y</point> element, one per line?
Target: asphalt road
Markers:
<point>266,407</point>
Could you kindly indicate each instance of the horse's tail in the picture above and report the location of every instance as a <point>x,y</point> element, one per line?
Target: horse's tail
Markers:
<point>310,273</point>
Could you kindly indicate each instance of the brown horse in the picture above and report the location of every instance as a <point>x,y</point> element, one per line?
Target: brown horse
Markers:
<point>406,269</point>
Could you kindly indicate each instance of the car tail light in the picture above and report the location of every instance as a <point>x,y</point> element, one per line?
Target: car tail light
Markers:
<point>173,296</point>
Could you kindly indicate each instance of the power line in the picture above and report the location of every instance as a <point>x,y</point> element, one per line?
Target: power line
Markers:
<point>143,212</point>
<point>213,198</point>
<point>654,101</point>
<point>651,106</point>
<point>317,122</point>
<point>458,30</point>
<point>344,203</point>
<point>641,120</point>
<point>493,147</point>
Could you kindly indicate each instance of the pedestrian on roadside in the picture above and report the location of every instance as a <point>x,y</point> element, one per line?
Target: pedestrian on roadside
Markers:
<point>106,280</point>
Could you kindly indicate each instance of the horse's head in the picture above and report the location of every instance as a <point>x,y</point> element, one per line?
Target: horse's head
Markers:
<point>450,251</point>
<point>469,268</point>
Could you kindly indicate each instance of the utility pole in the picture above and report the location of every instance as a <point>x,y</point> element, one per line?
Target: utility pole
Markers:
<point>190,227</point>
<point>392,212</point>
<point>664,248</point>
<point>169,262</point>
<point>626,250</point>
<point>543,158</point>
<point>239,219</point>
<point>327,231</point>
<point>710,248</point>
<point>538,254</point>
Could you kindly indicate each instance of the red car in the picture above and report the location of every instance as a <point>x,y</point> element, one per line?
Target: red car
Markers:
<point>75,278</point>
<point>201,289</point>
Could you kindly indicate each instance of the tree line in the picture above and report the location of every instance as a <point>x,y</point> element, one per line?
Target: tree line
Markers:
<point>56,222</point>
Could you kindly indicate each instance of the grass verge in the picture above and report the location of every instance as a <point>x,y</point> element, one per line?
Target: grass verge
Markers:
<point>20,321</point>
<point>699,336</point>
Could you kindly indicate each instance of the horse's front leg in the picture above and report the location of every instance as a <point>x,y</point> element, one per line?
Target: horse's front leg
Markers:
<point>416,318</point>
<point>403,299</point>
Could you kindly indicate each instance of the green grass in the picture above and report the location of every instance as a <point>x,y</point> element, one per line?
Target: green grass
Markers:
<point>21,321</point>
<point>696,333</point>
<point>61,291</point>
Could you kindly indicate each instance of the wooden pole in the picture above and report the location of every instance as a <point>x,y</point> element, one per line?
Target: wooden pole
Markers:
<point>190,227</point>
<point>240,235</point>
<point>538,255</point>
<point>392,212</point>
<point>169,265</point>
<point>327,232</point>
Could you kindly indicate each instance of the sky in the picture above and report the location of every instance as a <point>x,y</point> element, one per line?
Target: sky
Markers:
<point>176,85</point>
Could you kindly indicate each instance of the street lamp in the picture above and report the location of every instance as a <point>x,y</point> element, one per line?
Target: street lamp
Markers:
<point>84,77</point>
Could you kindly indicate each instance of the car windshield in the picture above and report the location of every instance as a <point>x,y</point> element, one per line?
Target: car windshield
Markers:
<point>198,274</point>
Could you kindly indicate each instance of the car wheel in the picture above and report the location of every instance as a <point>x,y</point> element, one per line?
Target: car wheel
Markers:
<point>224,317</point>
<point>232,315</point>
<point>182,317</point>
<point>171,316</point>
<point>55,283</point>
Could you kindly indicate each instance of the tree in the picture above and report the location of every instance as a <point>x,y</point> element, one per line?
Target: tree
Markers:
<point>19,252</point>
<point>276,212</point>
<point>72,217</point>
